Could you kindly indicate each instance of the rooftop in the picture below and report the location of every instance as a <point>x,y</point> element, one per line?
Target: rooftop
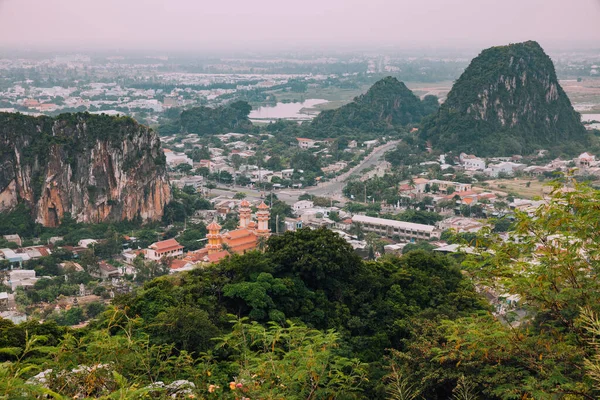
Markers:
<point>390,222</point>
<point>165,245</point>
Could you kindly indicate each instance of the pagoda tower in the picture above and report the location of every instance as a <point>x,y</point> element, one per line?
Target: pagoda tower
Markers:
<point>245,214</point>
<point>262,215</point>
<point>215,240</point>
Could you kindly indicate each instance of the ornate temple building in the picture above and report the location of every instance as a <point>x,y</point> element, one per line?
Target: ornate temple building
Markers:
<point>245,238</point>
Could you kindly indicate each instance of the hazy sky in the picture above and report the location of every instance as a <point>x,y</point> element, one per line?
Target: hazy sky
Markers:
<point>280,24</point>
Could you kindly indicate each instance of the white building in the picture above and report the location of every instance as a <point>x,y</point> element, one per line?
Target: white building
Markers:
<point>302,205</point>
<point>305,143</point>
<point>506,167</point>
<point>460,224</point>
<point>472,162</point>
<point>174,159</point>
<point>371,143</point>
<point>406,231</point>
<point>24,278</point>
<point>87,242</point>
<point>167,248</point>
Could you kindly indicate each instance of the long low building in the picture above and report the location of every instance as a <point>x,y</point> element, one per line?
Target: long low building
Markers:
<point>405,231</point>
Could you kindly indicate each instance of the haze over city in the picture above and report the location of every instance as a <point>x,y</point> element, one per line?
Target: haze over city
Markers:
<point>281,25</point>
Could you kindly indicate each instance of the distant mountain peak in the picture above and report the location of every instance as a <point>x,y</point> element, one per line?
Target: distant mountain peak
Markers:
<point>507,101</point>
<point>388,104</point>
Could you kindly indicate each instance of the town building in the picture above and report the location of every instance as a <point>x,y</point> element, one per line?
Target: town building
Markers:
<point>460,225</point>
<point>403,231</point>
<point>305,143</point>
<point>13,239</point>
<point>167,248</point>
<point>585,161</point>
<point>445,185</point>
<point>507,168</point>
<point>107,271</point>
<point>471,162</point>
<point>302,205</point>
<point>24,278</point>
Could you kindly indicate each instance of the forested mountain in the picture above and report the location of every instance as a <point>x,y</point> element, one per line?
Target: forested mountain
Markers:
<point>308,319</point>
<point>508,101</point>
<point>387,105</point>
<point>95,168</point>
<point>232,117</point>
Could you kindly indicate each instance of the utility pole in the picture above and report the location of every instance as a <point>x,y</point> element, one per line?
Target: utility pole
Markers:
<point>277,224</point>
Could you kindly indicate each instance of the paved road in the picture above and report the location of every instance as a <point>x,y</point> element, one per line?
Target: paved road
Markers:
<point>332,189</point>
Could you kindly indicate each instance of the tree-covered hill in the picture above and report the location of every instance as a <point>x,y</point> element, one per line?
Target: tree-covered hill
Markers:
<point>508,101</point>
<point>387,105</point>
<point>232,117</point>
<point>331,317</point>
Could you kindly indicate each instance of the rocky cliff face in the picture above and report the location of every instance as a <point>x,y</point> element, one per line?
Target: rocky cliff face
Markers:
<point>94,167</point>
<point>508,101</point>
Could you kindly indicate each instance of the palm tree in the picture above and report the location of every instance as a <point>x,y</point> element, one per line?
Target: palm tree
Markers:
<point>261,243</point>
<point>227,248</point>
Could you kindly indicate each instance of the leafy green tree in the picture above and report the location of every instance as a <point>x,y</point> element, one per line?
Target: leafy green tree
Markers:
<point>292,362</point>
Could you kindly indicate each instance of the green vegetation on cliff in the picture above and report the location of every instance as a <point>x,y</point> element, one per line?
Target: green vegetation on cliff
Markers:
<point>508,101</point>
<point>387,105</point>
<point>78,163</point>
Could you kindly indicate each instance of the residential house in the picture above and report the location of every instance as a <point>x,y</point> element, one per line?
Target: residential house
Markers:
<point>14,239</point>
<point>292,224</point>
<point>302,205</point>
<point>371,143</point>
<point>505,167</point>
<point>24,278</point>
<point>460,224</point>
<point>107,271</point>
<point>585,161</point>
<point>445,185</point>
<point>305,143</point>
<point>471,162</point>
<point>86,243</point>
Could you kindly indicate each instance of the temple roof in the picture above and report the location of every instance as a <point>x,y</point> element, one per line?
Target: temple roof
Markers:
<point>213,226</point>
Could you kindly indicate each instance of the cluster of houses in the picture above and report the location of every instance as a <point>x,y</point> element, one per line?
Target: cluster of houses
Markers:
<point>585,163</point>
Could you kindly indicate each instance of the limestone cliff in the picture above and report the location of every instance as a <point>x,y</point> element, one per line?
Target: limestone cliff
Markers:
<point>94,167</point>
<point>508,101</point>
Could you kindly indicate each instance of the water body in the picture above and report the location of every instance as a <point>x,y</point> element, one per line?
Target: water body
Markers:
<point>590,117</point>
<point>286,111</point>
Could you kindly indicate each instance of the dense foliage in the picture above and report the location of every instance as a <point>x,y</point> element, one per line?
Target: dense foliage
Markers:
<point>232,117</point>
<point>306,285</point>
<point>508,101</point>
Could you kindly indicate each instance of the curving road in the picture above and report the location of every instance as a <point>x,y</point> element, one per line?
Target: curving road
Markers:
<point>332,189</point>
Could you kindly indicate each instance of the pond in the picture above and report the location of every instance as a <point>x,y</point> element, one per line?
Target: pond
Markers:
<point>291,111</point>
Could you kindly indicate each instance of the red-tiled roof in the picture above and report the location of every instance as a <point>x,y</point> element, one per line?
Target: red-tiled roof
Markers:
<point>166,245</point>
<point>176,264</point>
<point>239,233</point>
<point>213,226</point>
<point>216,257</point>
<point>263,206</point>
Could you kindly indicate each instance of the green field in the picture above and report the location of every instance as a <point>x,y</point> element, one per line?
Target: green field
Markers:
<point>517,186</point>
